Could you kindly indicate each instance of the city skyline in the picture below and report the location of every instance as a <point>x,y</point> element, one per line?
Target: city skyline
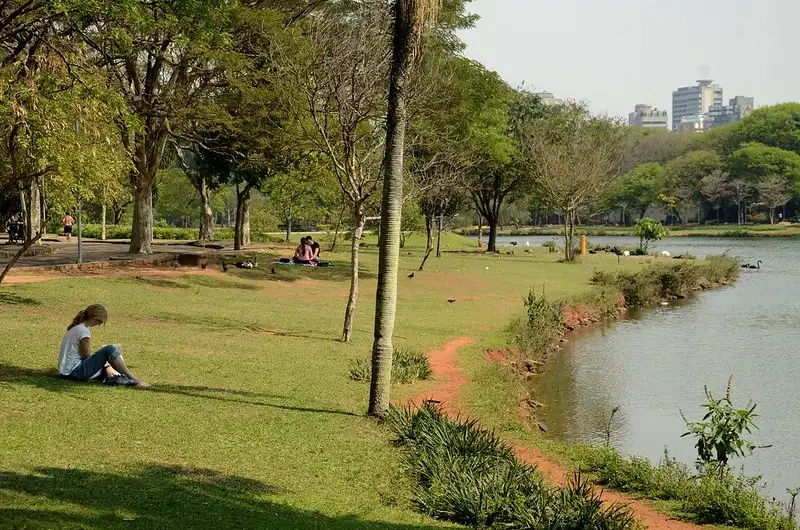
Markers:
<point>620,53</point>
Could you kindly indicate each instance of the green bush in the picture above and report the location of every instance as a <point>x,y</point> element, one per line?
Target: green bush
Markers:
<point>465,474</point>
<point>538,334</point>
<point>733,500</point>
<point>709,497</point>
<point>407,366</point>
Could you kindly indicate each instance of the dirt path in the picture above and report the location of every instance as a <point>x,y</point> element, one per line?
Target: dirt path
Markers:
<point>444,363</point>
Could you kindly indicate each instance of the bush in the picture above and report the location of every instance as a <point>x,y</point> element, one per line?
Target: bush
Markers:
<point>733,500</point>
<point>538,334</point>
<point>407,366</point>
<point>465,474</point>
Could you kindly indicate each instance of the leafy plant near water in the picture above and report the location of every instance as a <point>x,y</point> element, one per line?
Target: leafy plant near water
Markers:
<point>539,333</point>
<point>721,433</point>
<point>715,494</point>
<point>649,230</point>
<point>465,474</point>
<point>407,366</point>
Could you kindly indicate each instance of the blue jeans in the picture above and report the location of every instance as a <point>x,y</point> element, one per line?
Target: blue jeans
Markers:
<point>91,366</point>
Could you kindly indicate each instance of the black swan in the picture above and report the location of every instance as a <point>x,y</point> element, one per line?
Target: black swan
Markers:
<point>745,265</point>
<point>756,266</point>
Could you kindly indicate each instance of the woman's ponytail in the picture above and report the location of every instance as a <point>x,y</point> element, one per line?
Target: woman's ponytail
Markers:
<point>95,311</point>
<point>80,317</point>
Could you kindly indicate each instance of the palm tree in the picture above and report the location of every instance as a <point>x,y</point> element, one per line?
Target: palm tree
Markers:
<point>410,19</point>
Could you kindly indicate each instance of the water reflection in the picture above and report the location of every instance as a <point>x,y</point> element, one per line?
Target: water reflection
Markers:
<point>658,361</point>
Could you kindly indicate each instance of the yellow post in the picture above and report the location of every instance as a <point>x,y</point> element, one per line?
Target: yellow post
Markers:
<point>583,245</point>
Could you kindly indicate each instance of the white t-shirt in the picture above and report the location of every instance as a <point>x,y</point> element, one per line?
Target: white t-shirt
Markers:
<point>69,356</point>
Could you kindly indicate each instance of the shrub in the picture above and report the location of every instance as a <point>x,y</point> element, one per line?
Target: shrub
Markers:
<point>649,230</point>
<point>538,334</point>
<point>733,500</point>
<point>174,233</point>
<point>407,366</point>
<point>465,474</point>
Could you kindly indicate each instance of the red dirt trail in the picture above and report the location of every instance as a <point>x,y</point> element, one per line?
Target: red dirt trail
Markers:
<point>444,363</point>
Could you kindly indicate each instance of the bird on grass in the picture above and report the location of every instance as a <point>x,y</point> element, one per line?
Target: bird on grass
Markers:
<point>273,270</point>
<point>411,275</point>
<point>451,300</point>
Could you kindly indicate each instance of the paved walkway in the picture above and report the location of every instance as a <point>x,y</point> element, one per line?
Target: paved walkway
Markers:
<point>94,250</point>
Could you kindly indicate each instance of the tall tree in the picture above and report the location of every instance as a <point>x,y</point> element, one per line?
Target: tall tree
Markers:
<point>638,189</point>
<point>343,81</point>
<point>411,18</point>
<point>716,189</point>
<point>575,158</point>
<point>163,57</point>
<point>774,192</point>
<point>684,175</point>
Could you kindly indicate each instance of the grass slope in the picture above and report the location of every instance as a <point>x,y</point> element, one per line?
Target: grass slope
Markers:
<point>252,421</point>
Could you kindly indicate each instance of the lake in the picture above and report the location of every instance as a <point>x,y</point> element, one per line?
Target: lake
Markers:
<point>657,361</point>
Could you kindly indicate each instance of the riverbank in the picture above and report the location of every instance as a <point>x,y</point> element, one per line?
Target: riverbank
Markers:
<point>778,230</point>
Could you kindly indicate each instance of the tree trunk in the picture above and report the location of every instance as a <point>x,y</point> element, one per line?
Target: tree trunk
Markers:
<point>103,217</point>
<point>206,213</point>
<point>350,310</point>
<point>289,225</point>
<point>142,229</point>
<point>403,44</point>
<point>480,231</point>
<point>33,222</point>
<point>492,247</point>
<point>439,236</point>
<point>568,233</point>
<point>241,236</point>
<point>429,222</point>
<point>338,227</point>
<point>772,216</point>
<point>23,206</point>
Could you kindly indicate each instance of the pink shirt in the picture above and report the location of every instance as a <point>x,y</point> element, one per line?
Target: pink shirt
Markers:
<point>304,253</point>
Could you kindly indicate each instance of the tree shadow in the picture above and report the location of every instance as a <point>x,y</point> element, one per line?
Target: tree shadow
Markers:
<point>51,381</point>
<point>337,271</point>
<point>158,496</point>
<point>7,298</point>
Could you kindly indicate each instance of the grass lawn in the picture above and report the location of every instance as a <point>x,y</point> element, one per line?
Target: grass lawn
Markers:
<point>252,421</point>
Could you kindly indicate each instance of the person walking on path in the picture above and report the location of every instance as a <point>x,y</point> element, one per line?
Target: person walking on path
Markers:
<point>68,222</point>
<point>76,360</point>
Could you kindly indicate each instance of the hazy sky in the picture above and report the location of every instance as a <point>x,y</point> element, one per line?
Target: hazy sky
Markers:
<point>616,53</point>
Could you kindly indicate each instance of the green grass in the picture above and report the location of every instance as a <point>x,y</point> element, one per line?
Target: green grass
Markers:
<point>253,421</point>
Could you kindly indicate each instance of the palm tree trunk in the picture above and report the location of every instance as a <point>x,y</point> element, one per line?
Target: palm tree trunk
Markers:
<point>350,310</point>
<point>409,22</point>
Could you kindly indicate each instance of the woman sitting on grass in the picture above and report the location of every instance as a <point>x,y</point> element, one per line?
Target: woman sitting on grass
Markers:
<point>76,360</point>
<point>303,254</point>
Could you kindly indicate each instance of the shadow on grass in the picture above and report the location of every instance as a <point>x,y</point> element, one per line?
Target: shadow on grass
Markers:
<point>7,298</point>
<point>237,396</point>
<point>338,271</point>
<point>157,496</point>
<point>51,381</point>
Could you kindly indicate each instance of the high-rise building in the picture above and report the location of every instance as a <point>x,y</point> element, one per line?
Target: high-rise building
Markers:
<point>644,115</point>
<point>736,109</point>
<point>548,98</point>
<point>694,101</point>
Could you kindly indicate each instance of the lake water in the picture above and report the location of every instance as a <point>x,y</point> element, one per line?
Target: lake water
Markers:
<point>656,363</point>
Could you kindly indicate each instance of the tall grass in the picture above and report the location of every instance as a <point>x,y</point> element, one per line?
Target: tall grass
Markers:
<point>467,475</point>
<point>407,366</point>
<point>706,496</point>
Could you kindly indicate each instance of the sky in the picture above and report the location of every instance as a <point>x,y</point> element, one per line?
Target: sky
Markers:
<point>617,53</point>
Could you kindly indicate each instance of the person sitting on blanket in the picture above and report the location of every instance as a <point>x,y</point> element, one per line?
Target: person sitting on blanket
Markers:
<point>303,253</point>
<point>76,360</point>
<point>314,248</point>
